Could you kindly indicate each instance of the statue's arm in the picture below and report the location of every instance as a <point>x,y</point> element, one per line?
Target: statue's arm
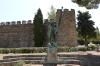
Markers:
<point>56,29</point>
<point>58,24</point>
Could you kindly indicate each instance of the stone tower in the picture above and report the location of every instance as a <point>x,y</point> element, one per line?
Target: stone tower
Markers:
<point>66,35</point>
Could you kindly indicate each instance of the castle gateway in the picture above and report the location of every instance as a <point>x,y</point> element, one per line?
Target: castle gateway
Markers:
<point>20,34</point>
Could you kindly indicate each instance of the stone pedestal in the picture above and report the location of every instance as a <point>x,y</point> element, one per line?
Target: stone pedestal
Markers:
<point>51,55</point>
<point>50,64</point>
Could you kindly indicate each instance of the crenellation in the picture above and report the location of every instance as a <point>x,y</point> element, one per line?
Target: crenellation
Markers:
<point>23,21</point>
<point>59,10</point>
<point>2,23</point>
<point>29,22</point>
<point>72,11</point>
<point>18,22</point>
<point>66,10</point>
<point>13,23</point>
<point>8,23</point>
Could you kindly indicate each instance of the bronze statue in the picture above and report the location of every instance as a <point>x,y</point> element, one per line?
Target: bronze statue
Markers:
<point>52,31</point>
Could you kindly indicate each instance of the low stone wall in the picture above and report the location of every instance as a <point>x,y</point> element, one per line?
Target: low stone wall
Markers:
<point>89,60</point>
<point>8,63</point>
<point>84,60</point>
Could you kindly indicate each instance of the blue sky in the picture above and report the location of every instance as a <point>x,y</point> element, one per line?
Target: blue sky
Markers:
<point>15,10</point>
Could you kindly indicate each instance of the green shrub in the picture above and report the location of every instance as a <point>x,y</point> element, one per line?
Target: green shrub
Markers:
<point>82,48</point>
<point>59,49</point>
<point>32,50</point>
<point>40,49</point>
<point>0,50</point>
<point>25,50</point>
<point>73,49</point>
<point>35,49</point>
<point>44,49</point>
<point>5,50</point>
<point>20,63</point>
<point>15,50</point>
<point>92,46</point>
<point>63,49</point>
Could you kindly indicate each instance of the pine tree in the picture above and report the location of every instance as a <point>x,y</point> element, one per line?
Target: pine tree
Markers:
<point>85,26</point>
<point>38,29</point>
<point>89,4</point>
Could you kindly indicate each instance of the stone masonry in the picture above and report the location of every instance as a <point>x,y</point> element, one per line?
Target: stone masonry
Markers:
<point>16,34</point>
<point>66,35</point>
<point>67,30</point>
<point>20,33</point>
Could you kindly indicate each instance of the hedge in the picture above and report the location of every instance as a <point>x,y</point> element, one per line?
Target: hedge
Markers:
<point>40,49</point>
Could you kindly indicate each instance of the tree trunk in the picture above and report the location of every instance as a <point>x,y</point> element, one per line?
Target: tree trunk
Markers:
<point>85,42</point>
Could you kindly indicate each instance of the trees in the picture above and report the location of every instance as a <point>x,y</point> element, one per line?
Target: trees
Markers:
<point>89,4</point>
<point>85,26</point>
<point>97,39</point>
<point>52,13</point>
<point>38,29</point>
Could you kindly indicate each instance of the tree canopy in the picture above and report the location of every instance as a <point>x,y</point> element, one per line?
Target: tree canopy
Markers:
<point>85,26</point>
<point>89,4</point>
<point>38,29</point>
<point>52,13</point>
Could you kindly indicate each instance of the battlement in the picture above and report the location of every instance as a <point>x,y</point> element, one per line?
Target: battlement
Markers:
<point>72,11</point>
<point>16,22</point>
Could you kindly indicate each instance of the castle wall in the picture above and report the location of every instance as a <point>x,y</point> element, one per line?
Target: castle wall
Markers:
<point>20,33</point>
<point>67,31</point>
<point>16,34</point>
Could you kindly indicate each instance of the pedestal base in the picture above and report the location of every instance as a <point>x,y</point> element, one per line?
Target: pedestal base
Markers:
<point>52,54</point>
<point>50,64</point>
